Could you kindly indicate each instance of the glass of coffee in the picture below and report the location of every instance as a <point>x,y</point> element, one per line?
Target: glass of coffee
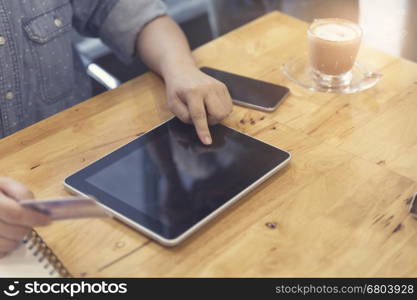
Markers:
<point>333,46</point>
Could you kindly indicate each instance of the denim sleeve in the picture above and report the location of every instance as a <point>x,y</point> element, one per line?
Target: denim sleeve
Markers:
<point>89,15</point>
<point>125,21</point>
<point>116,22</point>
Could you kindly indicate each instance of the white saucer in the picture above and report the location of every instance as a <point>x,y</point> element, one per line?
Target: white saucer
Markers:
<point>299,71</point>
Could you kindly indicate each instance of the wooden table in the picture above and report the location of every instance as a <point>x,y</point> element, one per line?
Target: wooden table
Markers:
<point>339,209</point>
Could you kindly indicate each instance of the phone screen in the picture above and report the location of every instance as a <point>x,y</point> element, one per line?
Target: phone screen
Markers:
<point>250,92</point>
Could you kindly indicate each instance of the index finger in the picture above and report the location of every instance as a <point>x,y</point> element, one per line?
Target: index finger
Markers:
<point>199,117</point>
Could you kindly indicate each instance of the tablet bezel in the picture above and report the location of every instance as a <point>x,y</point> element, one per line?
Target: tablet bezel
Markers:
<point>129,214</point>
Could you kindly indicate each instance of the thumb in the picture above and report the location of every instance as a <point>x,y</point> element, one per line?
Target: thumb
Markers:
<point>14,189</point>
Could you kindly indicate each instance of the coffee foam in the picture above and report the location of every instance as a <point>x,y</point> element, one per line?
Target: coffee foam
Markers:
<point>335,32</point>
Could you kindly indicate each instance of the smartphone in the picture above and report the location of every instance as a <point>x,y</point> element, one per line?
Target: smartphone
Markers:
<point>250,92</point>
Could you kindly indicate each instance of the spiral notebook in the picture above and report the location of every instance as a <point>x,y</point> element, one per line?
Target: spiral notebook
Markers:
<point>32,259</point>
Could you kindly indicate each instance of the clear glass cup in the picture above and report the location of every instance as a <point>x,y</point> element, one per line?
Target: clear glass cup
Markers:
<point>333,47</point>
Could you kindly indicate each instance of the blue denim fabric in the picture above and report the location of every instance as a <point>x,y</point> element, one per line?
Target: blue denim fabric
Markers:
<point>40,72</point>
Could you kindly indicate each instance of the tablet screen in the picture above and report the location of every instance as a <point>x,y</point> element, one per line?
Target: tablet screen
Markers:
<point>167,181</point>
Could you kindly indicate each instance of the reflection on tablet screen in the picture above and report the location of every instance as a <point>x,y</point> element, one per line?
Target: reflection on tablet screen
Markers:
<point>174,180</point>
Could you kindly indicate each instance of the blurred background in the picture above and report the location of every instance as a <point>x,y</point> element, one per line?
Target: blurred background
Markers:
<point>389,25</point>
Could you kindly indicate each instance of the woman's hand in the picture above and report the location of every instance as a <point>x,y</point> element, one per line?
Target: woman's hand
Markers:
<point>15,220</point>
<point>197,98</point>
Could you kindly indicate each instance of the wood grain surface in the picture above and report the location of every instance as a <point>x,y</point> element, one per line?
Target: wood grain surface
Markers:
<point>339,209</point>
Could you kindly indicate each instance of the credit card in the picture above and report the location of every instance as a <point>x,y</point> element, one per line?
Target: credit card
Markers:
<point>67,208</point>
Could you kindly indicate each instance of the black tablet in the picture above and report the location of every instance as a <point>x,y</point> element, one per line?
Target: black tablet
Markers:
<point>167,184</point>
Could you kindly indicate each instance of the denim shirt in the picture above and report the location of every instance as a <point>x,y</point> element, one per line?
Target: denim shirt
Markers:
<point>40,72</point>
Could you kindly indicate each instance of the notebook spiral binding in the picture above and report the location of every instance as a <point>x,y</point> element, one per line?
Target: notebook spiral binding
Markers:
<point>39,249</point>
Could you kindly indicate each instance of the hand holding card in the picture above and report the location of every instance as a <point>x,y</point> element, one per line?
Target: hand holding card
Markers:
<point>67,208</point>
